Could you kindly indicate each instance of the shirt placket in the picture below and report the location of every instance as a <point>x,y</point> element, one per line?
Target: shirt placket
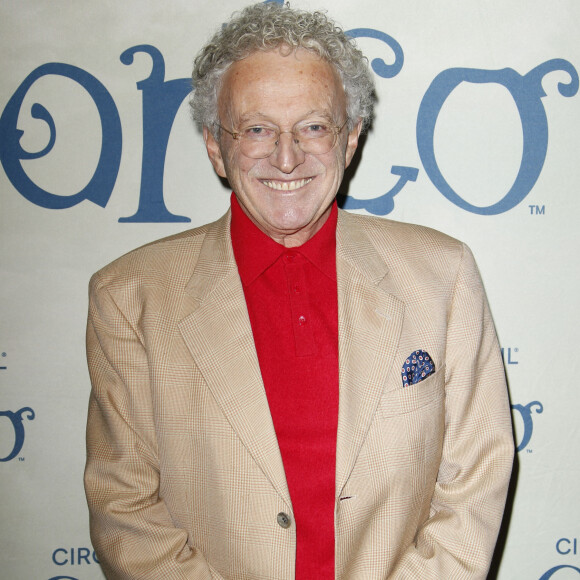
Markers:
<point>301,311</point>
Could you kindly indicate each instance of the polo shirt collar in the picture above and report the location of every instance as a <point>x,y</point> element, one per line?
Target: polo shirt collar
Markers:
<point>255,251</point>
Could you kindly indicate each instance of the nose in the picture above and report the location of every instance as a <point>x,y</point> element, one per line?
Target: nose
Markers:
<point>287,155</point>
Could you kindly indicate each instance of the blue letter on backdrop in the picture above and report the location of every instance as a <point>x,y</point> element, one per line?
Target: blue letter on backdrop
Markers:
<point>527,93</point>
<point>526,414</point>
<point>552,571</point>
<point>100,187</point>
<point>161,100</point>
<point>383,204</point>
<point>16,420</point>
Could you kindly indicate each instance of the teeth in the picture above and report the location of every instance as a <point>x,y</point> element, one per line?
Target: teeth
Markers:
<point>287,185</point>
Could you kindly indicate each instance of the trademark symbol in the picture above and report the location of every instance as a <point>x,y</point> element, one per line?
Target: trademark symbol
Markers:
<point>537,209</point>
<point>516,349</point>
<point>529,450</point>
<point>21,459</point>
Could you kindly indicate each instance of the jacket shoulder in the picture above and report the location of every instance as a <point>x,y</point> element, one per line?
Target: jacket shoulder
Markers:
<point>391,237</point>
<point>170,260</point>
<point>415,256</point>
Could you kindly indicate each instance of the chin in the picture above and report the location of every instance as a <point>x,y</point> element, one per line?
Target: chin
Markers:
<point>293,221</point>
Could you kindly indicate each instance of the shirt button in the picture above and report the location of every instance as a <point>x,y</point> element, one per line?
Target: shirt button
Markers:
<point>290,257</point>
<point>301,320</point>
<point>283,520</point>
<point>297,289</point>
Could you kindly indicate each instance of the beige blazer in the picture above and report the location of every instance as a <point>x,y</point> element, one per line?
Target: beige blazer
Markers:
<point>184,477</point>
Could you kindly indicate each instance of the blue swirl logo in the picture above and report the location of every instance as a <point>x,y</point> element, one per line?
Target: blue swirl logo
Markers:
<point>526,413</point>
<point>17,423</point>
<point>551,573</point>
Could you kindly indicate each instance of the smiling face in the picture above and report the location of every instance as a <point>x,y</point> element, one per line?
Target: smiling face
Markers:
<point>288,195</point>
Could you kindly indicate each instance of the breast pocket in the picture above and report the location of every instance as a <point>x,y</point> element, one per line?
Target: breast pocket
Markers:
<point>411,421</point>
<point>414,397</point>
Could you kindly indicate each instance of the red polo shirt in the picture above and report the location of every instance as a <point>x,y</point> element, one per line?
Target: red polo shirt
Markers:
<point>292,303</point>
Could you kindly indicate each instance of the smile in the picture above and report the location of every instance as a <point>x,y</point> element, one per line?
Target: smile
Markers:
<point>287,185</point>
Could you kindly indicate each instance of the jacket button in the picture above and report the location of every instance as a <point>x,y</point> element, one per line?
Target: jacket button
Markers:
<point>283,520</point>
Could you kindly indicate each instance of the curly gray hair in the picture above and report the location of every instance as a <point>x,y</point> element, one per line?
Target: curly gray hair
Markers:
<point>267,27</point>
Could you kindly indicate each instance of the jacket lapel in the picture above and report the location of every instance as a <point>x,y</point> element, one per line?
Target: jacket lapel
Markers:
<point>370,320</point>
<point>217,331</point>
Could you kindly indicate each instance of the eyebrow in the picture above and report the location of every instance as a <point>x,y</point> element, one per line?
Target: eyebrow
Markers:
<point>249,117</point>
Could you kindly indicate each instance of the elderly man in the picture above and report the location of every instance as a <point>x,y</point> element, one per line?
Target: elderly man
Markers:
<point>293,391</point>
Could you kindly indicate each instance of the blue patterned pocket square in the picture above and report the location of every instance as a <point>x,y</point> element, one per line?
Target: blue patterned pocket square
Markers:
<point>417,367</point>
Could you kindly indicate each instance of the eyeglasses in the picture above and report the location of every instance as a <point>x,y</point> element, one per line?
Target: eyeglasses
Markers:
<point>260,141</point>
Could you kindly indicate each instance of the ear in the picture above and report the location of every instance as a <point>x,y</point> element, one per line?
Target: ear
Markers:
<point>214,152</point>
<point>352,142</point>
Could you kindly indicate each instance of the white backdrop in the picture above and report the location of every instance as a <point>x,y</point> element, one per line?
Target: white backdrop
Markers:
<point>500,171</point>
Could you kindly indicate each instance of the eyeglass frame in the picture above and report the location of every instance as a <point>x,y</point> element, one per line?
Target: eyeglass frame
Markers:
<point>237,136</point>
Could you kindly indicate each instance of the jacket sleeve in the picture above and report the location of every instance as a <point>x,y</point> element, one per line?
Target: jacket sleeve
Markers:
<point>131,529</point>
<point>458,538</point>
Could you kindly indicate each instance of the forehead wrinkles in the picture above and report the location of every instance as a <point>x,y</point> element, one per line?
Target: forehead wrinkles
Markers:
<point>267,81</point>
